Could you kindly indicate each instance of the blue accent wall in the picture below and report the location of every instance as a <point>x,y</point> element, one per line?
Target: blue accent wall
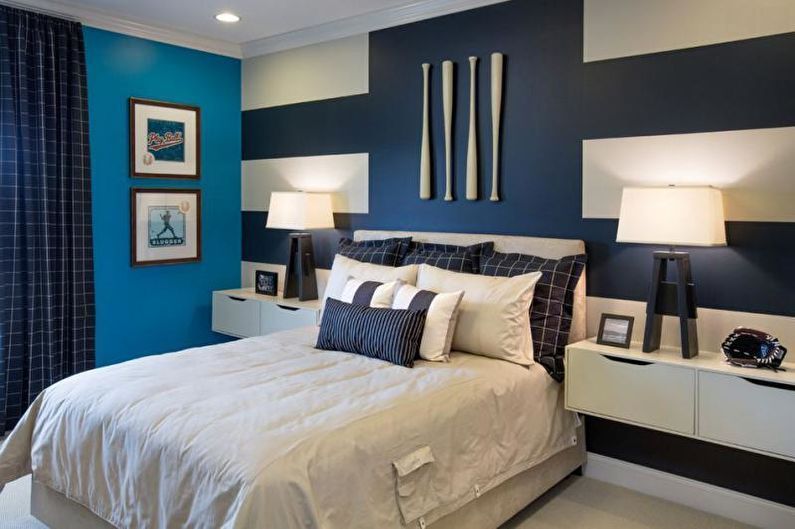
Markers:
<point>552,102</point>
<point>157,309</point>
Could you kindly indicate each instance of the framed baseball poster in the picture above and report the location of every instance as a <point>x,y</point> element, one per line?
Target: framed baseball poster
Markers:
<point>166,226</point>
<point>164,140</point>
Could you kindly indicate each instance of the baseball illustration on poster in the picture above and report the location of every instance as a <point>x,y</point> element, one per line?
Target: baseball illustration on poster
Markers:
<point>164,140</point>
<point>165,226</point>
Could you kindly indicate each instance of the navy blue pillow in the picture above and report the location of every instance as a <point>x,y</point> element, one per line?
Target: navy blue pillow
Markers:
<point>451,257</point>
<point>387,252</point>
<point>553,300</point>
<point>393,335</point>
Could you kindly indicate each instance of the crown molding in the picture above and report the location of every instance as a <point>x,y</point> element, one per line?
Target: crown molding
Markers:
<point>338,29</point>
<point>102,20</point>
<point>357,25</point>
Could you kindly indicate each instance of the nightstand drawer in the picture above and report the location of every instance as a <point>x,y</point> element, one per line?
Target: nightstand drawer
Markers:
<point>275,317</point>
<point>754,414</point>
<point>646,393</point>
<point>235,315</point>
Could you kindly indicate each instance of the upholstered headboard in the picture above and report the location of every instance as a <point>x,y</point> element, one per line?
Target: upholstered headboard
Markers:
<point>542,247</point>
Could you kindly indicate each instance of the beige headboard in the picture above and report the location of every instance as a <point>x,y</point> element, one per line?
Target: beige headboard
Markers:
<point>547,248</point>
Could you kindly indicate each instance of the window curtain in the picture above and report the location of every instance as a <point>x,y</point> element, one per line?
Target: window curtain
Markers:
<point>46,258</point>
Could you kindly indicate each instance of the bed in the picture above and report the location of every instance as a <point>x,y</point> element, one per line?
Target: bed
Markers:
<point>269,432</point>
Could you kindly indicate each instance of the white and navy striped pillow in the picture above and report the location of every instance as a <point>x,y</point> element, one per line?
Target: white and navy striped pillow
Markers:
<point>442,309</point>
<point>386,334</point>
<point>369,293</point>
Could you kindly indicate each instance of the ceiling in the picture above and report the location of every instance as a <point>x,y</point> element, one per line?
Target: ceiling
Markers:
<point>264,26</point>
<point>258,18</point>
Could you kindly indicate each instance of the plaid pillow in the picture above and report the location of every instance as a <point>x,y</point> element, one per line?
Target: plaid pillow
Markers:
<point>553,300</point>
<point>448,256</point>
<point>387,252</point>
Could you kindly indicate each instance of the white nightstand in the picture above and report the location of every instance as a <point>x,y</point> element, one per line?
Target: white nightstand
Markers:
<point>244,313</point>
<point>703,397</point>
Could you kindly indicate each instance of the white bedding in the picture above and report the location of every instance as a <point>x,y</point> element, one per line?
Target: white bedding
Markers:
<point>269,433</point>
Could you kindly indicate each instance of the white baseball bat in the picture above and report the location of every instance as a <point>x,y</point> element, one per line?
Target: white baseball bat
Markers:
<point>425,150</point>
<point>472,147</point>
<point>496,109</point>
<point>447,100</point>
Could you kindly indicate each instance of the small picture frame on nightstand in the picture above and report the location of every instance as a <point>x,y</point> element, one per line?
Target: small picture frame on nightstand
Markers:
<point>266,283</point>
<point>615,330</point>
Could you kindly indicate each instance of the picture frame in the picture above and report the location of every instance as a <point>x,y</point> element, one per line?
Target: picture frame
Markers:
<point>266,283</point>
<point>165,140</point>
<point>165,226</point>
<point>615,330</point>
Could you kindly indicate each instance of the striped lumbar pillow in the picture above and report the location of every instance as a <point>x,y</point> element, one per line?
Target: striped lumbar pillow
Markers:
<point>386,334</point>
<point>369,293</point>
<point>442,309</point>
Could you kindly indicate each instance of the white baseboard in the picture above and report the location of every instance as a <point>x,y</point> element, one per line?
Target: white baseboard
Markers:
<point>696,494</point>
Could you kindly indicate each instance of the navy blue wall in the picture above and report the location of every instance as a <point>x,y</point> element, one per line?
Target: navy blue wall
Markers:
<point>552,102</point>
<point>159,309</point>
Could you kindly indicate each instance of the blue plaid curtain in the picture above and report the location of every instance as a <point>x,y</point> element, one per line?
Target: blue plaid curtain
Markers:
<point>46,257</point>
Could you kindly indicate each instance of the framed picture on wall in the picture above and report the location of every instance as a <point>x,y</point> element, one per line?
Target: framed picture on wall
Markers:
<point>164,140</point>
<point>165,226</point>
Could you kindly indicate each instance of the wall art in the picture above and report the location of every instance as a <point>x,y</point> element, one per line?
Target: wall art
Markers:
<point>496,110</point>
<point>447,104</point>
<point>472,142</point>
<point>425,149</point>
<point>165,226</point>
<point>164,140</point>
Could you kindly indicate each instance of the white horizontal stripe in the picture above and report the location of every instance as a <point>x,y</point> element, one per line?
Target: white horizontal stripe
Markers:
<point>327,70</point>
<point>620,28</point>
<point>753,167</point>
<point>346,176</point>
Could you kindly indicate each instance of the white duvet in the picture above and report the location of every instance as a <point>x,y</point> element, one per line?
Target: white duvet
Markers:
<point>269,433</point>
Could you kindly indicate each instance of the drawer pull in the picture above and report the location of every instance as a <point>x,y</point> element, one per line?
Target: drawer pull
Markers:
<point>285,307</point>
<point>768,384</point>
<point>627,360</point>
<point>235,298</point>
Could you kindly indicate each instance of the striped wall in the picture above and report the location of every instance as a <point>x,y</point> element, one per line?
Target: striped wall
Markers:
<point>587,107</point>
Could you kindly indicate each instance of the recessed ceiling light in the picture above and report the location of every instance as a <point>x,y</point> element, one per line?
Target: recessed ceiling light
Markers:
<point>227,17</point>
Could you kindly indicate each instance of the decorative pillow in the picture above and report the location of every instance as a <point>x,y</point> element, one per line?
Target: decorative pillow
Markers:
<point>387,334</point>
<point>494,315</point>
<point>553,303</point>
<point>370,293</point>
<point>387,252</point>
<point>442,312</point>
<point>344,269</point>
<point>448,256</point>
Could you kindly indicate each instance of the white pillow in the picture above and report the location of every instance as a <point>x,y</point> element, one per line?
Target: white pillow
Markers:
<point>494,315</point>
<point>370,293</point>
<point>345,268</point>
<point>440,321</point>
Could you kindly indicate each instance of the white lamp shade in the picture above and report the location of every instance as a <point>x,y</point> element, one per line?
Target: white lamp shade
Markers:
<point>680,216</point>
<point>295,210</point>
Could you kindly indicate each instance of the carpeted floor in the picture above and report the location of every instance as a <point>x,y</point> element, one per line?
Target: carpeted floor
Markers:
<point>576,503</point>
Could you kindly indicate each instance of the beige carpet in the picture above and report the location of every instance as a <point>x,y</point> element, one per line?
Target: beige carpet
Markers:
<point>577,503</point>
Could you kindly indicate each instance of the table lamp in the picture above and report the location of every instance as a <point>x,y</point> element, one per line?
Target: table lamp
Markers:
<point>296,210</point>
<point>672,216</point>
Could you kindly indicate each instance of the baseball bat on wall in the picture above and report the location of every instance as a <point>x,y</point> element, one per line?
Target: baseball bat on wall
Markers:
<point>425,150</point>
<point>447,100</point>
<point>472,144</point>
<point>496,109</point>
